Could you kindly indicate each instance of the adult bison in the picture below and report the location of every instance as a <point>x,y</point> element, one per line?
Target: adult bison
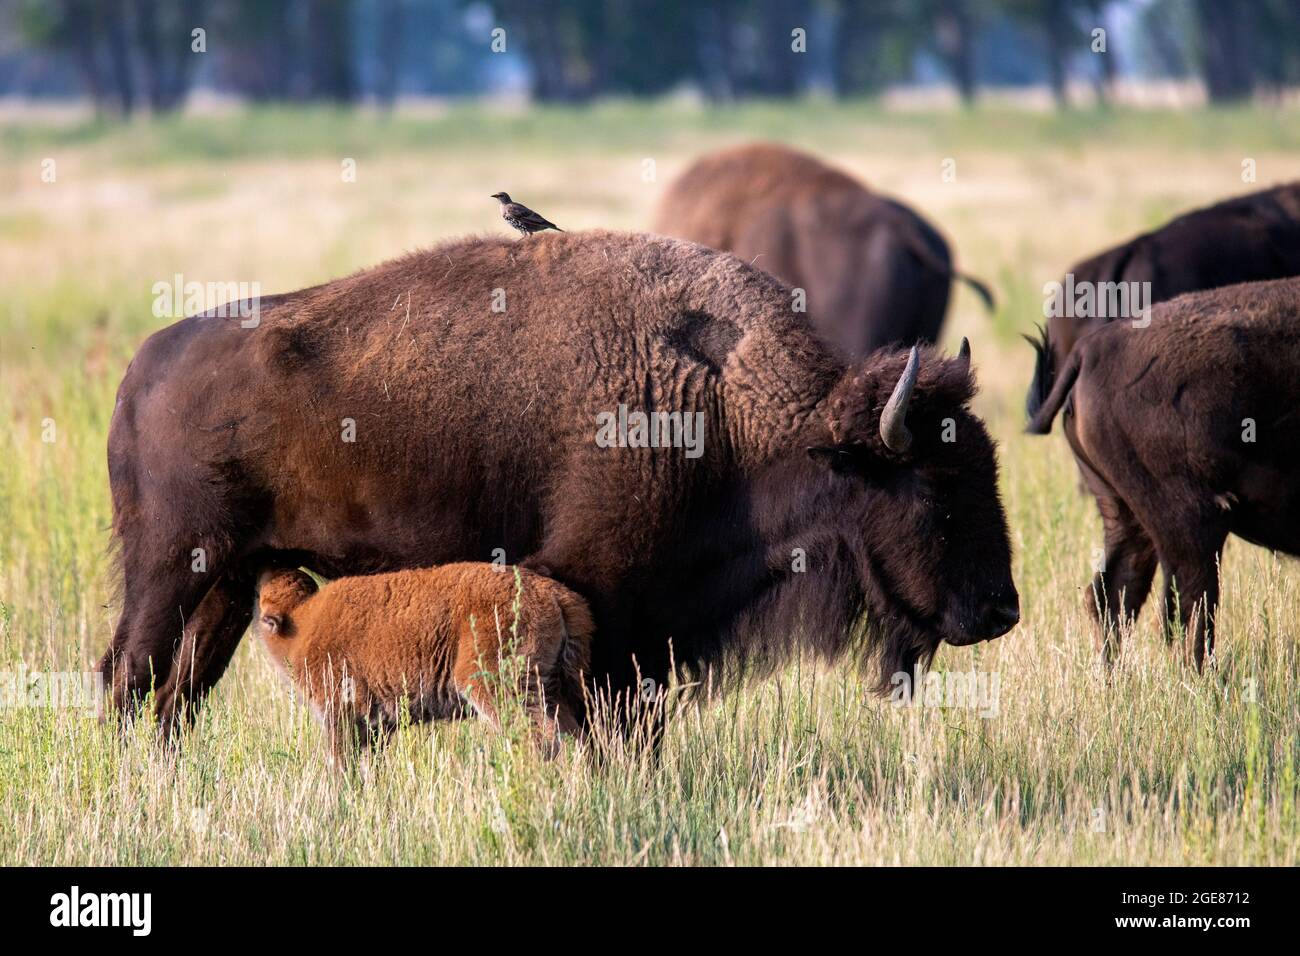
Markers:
<point>1186,432</point>
<point>1247,239</point>
<point>874,271</point>
<point>641,417</point>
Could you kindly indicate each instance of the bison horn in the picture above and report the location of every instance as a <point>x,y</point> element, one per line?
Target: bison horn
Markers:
<point>963,353</point>
<point>893,421</point>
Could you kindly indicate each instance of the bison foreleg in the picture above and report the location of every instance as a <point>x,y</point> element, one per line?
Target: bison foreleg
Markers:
<point>155,610</point>
<point>211,636</point>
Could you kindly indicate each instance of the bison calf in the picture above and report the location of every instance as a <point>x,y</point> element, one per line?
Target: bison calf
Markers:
<point>1186,432</point>
<point>435,638</point>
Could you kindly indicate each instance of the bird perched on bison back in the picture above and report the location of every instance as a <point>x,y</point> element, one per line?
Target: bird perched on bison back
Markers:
<point>520,217</point>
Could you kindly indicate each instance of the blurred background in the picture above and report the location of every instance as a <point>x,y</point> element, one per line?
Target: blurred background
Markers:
<point>161,142</point>
<point>126,56</point>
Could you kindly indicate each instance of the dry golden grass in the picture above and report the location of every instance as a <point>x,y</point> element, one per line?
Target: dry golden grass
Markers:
<point>1156,766</point>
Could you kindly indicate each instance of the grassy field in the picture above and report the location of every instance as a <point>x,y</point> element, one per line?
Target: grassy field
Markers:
<point>1156,766</point>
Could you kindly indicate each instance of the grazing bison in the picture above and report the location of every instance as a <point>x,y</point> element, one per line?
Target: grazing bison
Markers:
<point>643,418</point>
<point>874,271</point>
<point>432,637</point>
<point>1247,239</point>
<point>1186,432</point>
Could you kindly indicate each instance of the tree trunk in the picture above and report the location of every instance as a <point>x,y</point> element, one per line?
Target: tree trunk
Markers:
<point>389,53</point>
<point>716,51</point>
<point>85,52</point>
<point>1225,50</point>
<point>114,22</point>
<point>777,19</point>
<point>957,44</point>
<point>1056,25</point>
<point>855,49</point>
<point>330,66</point>
<point>1109,60</point>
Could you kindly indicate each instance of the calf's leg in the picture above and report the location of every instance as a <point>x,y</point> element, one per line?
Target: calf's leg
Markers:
<point>477,676</point>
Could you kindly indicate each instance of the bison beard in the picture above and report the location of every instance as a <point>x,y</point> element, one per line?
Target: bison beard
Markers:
<point>473,430</point>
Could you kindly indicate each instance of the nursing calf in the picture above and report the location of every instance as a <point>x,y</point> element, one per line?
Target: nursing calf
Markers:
<point>432,639</point>
<point>1186,431</point>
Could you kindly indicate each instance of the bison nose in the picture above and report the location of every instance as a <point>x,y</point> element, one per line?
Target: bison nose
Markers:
<point>998,618</point>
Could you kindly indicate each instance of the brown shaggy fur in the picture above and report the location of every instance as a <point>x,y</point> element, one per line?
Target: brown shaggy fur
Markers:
<point>1244,239</point>
<point>875,272</point>
<point>1160,422</point>
<point>433,638</point>
<point>475,431</point>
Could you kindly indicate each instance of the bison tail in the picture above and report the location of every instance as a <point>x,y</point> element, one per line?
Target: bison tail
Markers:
<point>1044,371</point>
<point>906,232</point>
<point>918,247</point>
<point>1040,419</point>
<point>980,289</point>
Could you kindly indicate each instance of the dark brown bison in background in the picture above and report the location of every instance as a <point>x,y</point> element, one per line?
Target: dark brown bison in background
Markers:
<point>344,434</point>
<point>1186,432</point>
<point>1247,239</point>
<point>874,271</point>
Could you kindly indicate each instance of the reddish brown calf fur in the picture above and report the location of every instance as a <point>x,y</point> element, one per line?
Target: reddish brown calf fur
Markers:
<point>433,637</point>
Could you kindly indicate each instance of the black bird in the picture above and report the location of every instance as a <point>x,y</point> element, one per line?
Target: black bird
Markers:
<point>521,217</point>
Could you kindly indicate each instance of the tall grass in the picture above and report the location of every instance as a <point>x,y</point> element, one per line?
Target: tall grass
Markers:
<point>1153,765</point>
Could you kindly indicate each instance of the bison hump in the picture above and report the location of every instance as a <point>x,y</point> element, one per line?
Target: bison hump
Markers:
<point>704,338</point>
<point>289,345</point>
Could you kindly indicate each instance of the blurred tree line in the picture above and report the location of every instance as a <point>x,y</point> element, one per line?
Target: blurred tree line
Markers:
<point>133,54</point>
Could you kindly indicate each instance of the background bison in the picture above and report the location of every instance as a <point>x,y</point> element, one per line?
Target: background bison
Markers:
<point>1245,239</point>
<point>875,272</point>
<point>1186,432</point>
<point>347,435</point>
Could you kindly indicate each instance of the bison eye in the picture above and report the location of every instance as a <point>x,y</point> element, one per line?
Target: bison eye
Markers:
<point>852,458</point>
<point>838,458</point>
<point>271,622</point>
